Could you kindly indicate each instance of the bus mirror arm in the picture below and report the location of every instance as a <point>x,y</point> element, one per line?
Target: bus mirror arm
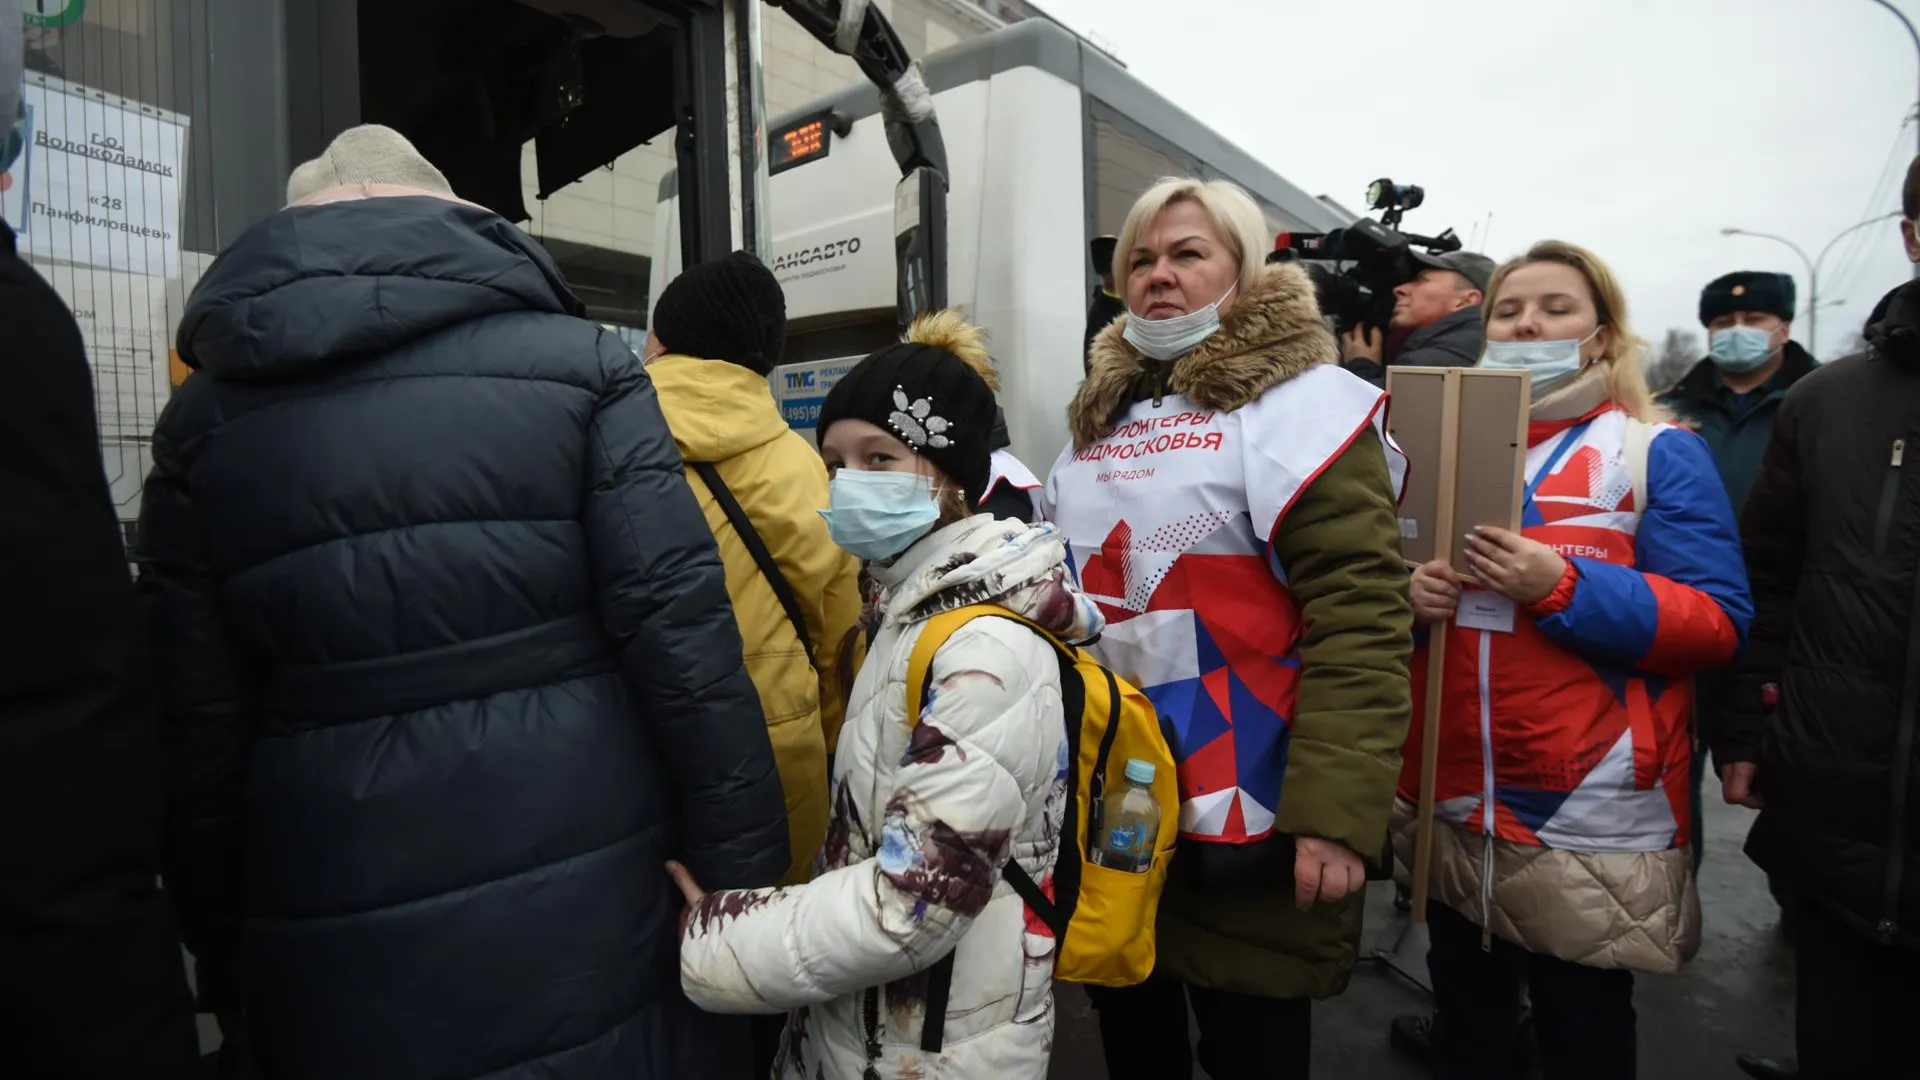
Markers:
<point>913,136</point>
<point>913,132</point>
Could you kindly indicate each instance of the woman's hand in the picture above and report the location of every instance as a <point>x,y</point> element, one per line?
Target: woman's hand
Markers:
<point>1435,591</point>
<point>1324,871</point>
<point>689,888</point>
<point>1522,570</point>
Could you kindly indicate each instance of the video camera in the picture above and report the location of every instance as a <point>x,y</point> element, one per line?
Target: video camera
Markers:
<point>1355,269</point>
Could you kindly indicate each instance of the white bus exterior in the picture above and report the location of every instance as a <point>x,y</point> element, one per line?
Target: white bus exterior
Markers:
<point>1049,141</point>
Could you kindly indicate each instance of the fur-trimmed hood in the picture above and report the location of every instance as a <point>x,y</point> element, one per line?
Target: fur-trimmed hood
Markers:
<point>1271,335</point>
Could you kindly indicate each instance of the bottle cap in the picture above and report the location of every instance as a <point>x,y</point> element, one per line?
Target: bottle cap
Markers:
<point>1140,772</point>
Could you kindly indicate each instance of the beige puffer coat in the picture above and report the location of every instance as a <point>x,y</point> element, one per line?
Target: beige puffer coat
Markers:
<point>1636,910</point>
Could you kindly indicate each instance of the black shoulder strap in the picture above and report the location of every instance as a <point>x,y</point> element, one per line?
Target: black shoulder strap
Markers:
<point>933,1029</point>
<point>743,527</point>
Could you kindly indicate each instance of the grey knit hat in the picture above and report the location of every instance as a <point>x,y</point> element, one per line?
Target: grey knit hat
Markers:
<point>368,154</point>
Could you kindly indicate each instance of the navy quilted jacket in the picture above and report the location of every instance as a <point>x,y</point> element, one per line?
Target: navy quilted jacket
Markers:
<point>447,661</point>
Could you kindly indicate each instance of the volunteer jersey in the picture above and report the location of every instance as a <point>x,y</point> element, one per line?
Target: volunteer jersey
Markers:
<point>1570,718</point>
<point>1169,520</point>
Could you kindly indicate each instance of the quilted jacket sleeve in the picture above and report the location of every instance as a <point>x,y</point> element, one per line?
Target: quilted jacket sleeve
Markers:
<point>1684,606</point>
<point>91,983</point>
<point>207,712</point>
<point>663,599</point>
<point>989,737</point>
<point>1340,546</point>
<point>1773,530</point>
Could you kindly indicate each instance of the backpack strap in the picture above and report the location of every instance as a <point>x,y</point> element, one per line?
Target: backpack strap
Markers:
<point>756,547</point>
<point>933,1027</point>
<point>942,627</point>
<point>937,631</point>
<point>1639,440</point>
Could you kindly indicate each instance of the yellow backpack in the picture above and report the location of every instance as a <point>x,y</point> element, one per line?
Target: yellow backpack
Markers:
<point>1102,918</point>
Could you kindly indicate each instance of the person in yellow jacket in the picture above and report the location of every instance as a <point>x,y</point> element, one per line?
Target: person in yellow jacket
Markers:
<point>718,329</point>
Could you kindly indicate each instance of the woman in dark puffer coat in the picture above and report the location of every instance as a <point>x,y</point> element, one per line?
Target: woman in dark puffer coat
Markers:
<point>448,664</point>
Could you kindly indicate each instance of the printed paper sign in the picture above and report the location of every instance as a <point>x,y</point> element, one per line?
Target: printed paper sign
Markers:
<point>1483,610</point>
<point>98,182</point>
<point>801,389</point>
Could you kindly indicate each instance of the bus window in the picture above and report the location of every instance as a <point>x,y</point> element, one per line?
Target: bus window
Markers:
<point>1126,160</point>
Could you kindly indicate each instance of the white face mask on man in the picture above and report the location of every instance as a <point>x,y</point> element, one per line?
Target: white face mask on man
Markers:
<point>1552,363</point>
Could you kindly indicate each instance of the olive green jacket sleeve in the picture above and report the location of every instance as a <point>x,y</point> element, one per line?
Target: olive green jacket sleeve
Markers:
<point>1340,548</point>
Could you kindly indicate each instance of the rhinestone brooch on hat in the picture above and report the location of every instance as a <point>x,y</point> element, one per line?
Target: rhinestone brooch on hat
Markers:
<point>913,421</point>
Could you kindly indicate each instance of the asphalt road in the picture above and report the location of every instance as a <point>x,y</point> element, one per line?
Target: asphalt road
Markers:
<point>1736,997</point>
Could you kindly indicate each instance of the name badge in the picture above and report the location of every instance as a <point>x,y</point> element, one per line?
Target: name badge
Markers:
<point>1483,610</point>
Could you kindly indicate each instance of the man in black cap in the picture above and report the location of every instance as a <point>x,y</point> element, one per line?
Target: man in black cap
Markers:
<point>1107,304</point>
<point>1438,311</point>
<point>1730,398</point>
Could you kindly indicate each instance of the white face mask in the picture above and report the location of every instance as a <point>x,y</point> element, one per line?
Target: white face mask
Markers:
<point>1171,338</point>
<point>1551,362</point>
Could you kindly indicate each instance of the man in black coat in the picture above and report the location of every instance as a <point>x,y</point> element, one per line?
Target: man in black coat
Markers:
<point>448,663</point>
<point>1730,399</point>
<point>92,982</point>
<point>1821,733</point>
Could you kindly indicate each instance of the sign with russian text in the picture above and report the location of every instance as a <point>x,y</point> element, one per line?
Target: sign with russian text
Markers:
<point>98,182</point>
<point>800,390</point>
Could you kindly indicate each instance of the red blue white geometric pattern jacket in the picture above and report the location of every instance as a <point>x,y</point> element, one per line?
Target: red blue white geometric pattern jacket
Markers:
<point>1575,727</point>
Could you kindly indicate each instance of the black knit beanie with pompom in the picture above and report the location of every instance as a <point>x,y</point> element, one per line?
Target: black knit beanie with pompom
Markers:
<point>933,391</point>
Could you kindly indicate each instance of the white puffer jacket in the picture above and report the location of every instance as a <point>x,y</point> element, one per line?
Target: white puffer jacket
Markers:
<point>923,819</point>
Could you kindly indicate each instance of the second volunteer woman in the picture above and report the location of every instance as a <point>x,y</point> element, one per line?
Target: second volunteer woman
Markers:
<point>1229,498</point>
<point>1562,792</point>
<point>925,810</point>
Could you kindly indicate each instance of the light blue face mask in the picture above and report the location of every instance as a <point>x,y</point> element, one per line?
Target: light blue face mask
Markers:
<point>1172,338</point>
<point>1551,362</point>
<point>877,515</point>
<point>1740,349</point>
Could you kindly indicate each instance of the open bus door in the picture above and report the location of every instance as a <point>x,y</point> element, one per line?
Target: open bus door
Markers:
<point>471,81</point>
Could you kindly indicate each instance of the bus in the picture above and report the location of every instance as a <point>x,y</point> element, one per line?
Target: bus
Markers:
<point>1049,141</point>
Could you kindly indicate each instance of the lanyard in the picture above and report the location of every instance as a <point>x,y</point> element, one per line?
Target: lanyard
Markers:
<point>1559,451</point>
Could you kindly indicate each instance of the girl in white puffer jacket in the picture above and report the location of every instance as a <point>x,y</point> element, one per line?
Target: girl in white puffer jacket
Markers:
<point>924,814</point>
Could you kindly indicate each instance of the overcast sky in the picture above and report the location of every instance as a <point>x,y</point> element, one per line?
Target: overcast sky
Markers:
<point>1638,128</point>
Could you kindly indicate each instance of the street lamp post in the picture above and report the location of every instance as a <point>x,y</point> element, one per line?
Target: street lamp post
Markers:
<point>1813,268</point>
<point>1915,35</point>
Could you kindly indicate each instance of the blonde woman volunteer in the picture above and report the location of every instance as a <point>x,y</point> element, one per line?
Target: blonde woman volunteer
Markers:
<point>1229,498</point>
<point>1564,745</point>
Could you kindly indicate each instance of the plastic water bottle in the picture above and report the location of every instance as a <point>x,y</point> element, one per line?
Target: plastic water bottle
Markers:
<point>1129,830</point>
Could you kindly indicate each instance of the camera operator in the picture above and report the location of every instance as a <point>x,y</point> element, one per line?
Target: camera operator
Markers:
<point>1439,311</point>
